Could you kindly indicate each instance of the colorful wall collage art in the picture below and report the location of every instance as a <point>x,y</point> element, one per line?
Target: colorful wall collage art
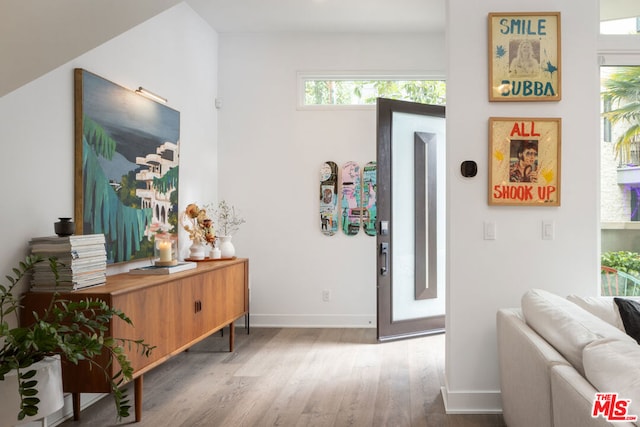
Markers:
<point>348,198</point>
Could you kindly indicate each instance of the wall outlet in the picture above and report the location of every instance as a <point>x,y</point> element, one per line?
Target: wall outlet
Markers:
<point>326,295</point>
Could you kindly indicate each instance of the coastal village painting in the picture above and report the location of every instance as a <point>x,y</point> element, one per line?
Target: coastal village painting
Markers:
<point>127,167</point>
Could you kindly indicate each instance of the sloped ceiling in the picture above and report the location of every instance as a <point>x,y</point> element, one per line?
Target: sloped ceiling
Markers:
<point>36,36</point>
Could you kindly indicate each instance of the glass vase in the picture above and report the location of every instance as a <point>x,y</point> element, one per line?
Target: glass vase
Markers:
<point>165,250</point>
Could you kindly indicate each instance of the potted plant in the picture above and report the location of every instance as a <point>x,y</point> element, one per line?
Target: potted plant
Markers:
<point>75,330</point>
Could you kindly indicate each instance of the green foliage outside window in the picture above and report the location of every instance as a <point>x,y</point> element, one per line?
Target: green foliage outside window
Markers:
<point>621,92</point>
<point>625,261</point>
<point>627,277</point>
<point>365,92</point>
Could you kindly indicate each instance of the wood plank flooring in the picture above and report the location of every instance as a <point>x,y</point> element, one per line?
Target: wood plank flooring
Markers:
<point>296,377</point>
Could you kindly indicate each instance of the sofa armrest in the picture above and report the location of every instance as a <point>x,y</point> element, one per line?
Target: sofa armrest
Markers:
<point>524,362</point>
<point>572,396</point>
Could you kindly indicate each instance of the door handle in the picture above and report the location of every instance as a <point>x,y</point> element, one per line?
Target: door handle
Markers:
<point>384,251</point>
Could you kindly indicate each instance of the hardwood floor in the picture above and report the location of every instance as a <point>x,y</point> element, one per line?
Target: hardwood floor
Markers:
<point>296,377</point>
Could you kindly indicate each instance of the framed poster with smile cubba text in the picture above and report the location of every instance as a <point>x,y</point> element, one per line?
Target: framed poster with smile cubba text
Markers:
<point>524,56</point>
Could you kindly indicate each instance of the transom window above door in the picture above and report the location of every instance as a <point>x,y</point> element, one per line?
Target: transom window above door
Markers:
<point>340,90</point>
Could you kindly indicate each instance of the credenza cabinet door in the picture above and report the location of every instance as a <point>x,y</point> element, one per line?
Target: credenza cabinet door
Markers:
<point>218,298</point>
<point>197,308</point>
<point>164,332</point>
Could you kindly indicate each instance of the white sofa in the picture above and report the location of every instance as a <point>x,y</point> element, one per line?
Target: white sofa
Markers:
<point>556,353</point>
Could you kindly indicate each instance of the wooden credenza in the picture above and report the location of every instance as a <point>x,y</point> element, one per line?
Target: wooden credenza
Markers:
<point>171,312</point>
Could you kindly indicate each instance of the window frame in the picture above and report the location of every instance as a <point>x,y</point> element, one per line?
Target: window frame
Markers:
<point>303,76</point>
<point>616,50</point>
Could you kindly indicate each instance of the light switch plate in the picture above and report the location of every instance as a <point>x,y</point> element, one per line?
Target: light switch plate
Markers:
<point>490,230</point>
<point>548,230</point>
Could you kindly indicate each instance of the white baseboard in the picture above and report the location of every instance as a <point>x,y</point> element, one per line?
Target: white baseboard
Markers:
<point>471,402</point>
<point>310,321</point>
<point>66,413</point>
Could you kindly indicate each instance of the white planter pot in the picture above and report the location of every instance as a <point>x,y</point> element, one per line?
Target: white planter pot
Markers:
<point>49,377</point>
<point>227,250</point>
<point>197,251</point>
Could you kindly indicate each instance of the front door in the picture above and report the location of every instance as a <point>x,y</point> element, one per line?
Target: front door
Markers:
<point>410,197</point>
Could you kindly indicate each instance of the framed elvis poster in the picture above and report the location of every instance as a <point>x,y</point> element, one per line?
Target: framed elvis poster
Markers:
<point>524,56</point>
<point>524,161</point>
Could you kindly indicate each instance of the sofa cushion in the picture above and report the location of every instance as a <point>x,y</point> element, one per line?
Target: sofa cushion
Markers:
<point>630,315</point>
<point>612,367</point>
<point>602,307</point>
<point>565,325</point>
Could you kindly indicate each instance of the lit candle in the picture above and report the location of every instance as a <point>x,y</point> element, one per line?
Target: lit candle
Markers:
<point>165,251</point>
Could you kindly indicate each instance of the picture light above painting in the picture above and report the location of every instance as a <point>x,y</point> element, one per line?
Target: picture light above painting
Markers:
<point>127,152</point>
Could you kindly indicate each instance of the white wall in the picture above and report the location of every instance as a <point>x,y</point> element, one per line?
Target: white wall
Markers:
<point>486,275</point>
<point>173,54</point>
<point>269,155</point>
<point>270,159</point>
<point>615,205</point>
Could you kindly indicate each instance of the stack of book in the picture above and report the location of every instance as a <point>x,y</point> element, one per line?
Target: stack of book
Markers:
<point>82,262</point>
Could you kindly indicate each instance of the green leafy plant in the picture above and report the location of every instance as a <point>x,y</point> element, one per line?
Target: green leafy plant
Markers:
<point>620,93</point>
<point>625,261</point>
<point>76,330</point>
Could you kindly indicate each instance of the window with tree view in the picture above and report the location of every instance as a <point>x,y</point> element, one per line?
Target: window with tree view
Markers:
<point>620,147</point>
<point>333,92</point>
<point>620,180</point>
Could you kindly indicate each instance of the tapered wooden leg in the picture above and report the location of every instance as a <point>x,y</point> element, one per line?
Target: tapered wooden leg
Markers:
<point>75,398</point>
<point>232,335</point>
<point>137,385</point>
